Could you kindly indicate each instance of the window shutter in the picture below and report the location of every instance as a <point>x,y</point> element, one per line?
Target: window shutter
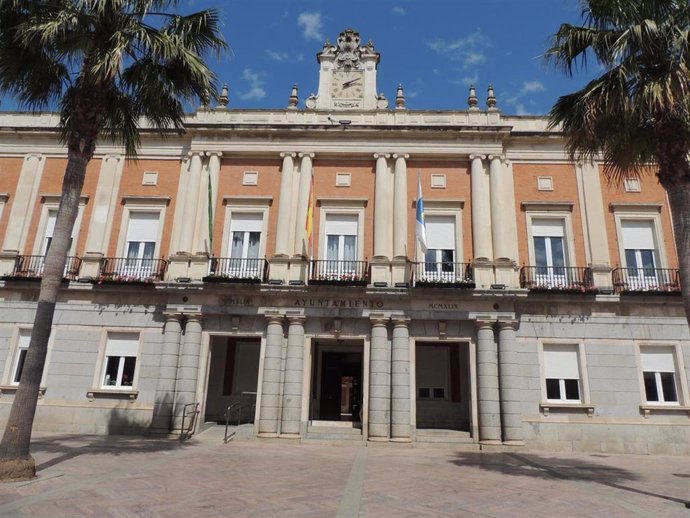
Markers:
<point>246,222</point>
<point>122,344</point>
<point>657,359</point>
<point>24,338</point>
<point>440,232</point>
<point>341,224</point>
<point>638,235</point>
<point>143,227</point>
<point>548,228</point>
<point>560,361</point>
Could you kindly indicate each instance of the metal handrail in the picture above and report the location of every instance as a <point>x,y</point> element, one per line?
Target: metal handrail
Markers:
<point>557,278</point>
<point>227,421</point>
<point>345,272</point>
<point>245,269</point>
<point>443,272</point>
<point>656,280</point>
<point>32,266</point>
<point>186,434</point>
<point>131,269</point>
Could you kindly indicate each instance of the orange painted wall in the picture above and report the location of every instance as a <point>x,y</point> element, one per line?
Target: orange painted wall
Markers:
<point>132,175</point>
<point>230,184</point>
<point>458,185</point>
<point>564,190</point>
<point>362,186</point>
<point>651,192</point>
<point>51,183</point>
<point>10,168</point>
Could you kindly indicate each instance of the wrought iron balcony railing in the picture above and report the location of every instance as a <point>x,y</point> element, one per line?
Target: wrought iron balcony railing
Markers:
<point>443,274</point>
<point>654,280</point>
<point>31,267</point>
<point>557,278</point>
<point>132,270</point>
<point>354,273</point>
<point>228,269</point>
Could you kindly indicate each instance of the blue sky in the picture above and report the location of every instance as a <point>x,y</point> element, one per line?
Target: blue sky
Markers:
<point>435,48</point>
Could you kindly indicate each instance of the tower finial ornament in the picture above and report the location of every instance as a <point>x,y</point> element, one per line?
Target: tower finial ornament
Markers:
<point>223,98</point>
<point>491,98</point>
<point>400,98</point>
<point>294,99</point>
<point>472,100</point>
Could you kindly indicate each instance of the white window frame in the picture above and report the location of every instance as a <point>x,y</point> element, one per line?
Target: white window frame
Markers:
<point>99,375</point>
<point>51,203</point>
<point>3,201</point>
<point>452,208</point>
<point>559,212</point>
<point>679,374</point>
<point>150,205</point>
<point>13,357</point>
<point>245,206</point>
<point>585,398</point>
<point>640,212</point>
<point>346,207</point>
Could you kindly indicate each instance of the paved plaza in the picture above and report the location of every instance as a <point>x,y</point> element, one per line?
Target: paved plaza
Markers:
<point>142,477</point>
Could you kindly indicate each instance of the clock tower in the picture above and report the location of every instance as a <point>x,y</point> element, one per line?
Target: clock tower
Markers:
<point>347,76</point>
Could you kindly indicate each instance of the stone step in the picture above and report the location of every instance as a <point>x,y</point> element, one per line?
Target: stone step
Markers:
<point>333,433</point>
<point>444,436</point>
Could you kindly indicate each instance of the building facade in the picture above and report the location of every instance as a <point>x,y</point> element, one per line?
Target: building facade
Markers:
<point>544,313</point>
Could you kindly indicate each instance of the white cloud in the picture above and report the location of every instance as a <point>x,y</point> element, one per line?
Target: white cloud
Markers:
<point>311,25</point>
<point>277,56</point>
<point>399,10</point>
<point>468,80</point>
<point>520,110</point>
<point>528,87</point>
<point>256,91</point>
<point>468,50</point>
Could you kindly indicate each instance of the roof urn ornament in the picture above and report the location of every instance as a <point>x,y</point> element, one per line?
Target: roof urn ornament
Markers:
<point>491,98</point>
<point>223,98</point>
<point>292,103</point>
<point>472,100</point>
<point>400,98</point>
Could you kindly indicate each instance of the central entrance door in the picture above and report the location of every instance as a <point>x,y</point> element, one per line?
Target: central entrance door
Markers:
<point>337,382</point>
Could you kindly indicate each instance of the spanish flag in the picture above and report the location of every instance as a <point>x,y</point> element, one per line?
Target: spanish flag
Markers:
<point>309,227</point>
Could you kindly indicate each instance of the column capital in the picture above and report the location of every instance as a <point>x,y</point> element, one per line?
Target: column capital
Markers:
<point>379,320</point>
<point>475,156</point>
<point>484,323</point>
<point>399,156</point>
<point>296,319</point>
<point>400,321</point>
<point>218,154</point>
<point>507,324</point>
<point>497,157</point>
<point>191,154</point>
<point>194,317</point>
<point>109,157</point>
<point>275,318</point>
<point>382,155</point>
<point>172,315</point>
<point>285,154</point>
<point>306,155</point>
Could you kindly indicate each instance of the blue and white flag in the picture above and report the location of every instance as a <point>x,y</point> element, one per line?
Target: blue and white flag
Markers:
<point>421,225</point>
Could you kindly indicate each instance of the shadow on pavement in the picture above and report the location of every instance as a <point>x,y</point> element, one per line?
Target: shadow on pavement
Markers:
<point>530,465</point>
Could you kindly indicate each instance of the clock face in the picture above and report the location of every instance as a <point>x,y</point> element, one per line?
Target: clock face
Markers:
<point>347,84</point>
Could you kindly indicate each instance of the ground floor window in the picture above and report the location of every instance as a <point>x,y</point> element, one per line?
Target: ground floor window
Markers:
<point>562,373</point>
<point>659,374</point>
<point>120,360</point>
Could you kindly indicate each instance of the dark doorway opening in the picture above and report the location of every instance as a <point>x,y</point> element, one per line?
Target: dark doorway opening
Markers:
<point>337,382</point>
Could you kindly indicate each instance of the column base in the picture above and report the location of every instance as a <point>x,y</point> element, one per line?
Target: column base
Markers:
<point>380,271</point>
<point>187,266</point>
<point>289,436</point>
<point>378,439</point>
<point>401,439</point>
<point>400,272</point>
<point>91,265</point>
<point>506,272</point>
<point>267,435</point>
<point>601,277</point>
<point>278,269</point>
<point>483,271</point>
<point>514,443</point>
<point>298,270</point>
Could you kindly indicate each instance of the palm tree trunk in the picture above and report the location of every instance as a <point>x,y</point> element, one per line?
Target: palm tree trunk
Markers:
<point>16,461</point>
<point>679,198</point>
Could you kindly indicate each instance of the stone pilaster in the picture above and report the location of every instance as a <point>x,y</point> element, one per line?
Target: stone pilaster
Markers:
<point>104,205</point>
<point>482,240</point>
<point>301,245</point>
<point>186,242</point>
<point>400,206</point>
<point>379,381</point>
<point>167,374</point>
<point>510,382</point>
<point>23,203</point>
<point>400,381</point>
<point>284,205</point>
<point>292,385</point>
<point>380,264</point>
<point>269,415</point>
<point>188,369</point>
<point>503,221</point>
<point>487,384</point>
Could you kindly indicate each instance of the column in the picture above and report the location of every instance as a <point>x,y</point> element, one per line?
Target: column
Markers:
<point>487,384</point>
<point>382,223</point>
<point>481,210</point>
<point>191,202</point>
<point>167,374</point>
<point>104,203</point>
<point>270,386</point>
<point>499,221</point>
<point>400,380</point>
<point>23,203</point>
<point>379,381</point>
<point>301,244</point>
<point>284,204</point>
<point>214,161</point>
<point>292,387</point>
<point>510,382</point>
<point>188,369</point>
<point>400,206</point>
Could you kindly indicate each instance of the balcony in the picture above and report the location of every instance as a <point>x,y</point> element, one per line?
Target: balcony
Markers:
<point>131,270</point>
<point>646,280</point>
<point>333,273</point>
<point>442,275</point>
<point>31,267</point>
<point>566,279</point>
<point>244,271</point>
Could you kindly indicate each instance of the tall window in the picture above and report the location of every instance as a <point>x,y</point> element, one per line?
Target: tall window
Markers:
<point>549,250</point>
<point>659,374</point>
<point>439,261</point>
<point>341,243</point>
<point>142,235</point>
<point>562,373</point>
<point>22,349</point>
<point>245,243</point>
<point>641,257</point>
<point>120,360</point>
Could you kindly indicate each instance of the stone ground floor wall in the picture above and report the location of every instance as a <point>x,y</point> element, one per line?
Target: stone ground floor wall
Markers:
<point>611,417</point>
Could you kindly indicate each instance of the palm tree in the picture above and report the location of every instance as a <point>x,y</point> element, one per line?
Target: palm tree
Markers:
<point>637,112</point>
<point>109,64</point>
